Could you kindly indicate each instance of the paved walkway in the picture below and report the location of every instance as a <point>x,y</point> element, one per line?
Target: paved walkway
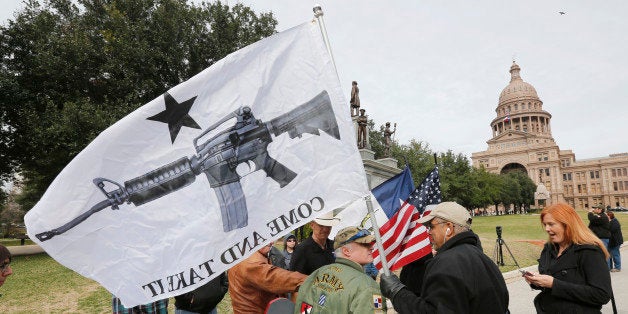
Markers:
<point>522,296</point>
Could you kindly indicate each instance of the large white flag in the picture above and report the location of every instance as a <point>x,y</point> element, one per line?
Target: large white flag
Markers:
<point>206,174</point>
<point>356,214</point>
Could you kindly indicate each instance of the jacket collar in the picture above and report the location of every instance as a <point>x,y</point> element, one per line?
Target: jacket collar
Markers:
<point>467,237</point>
<point>350,263</point>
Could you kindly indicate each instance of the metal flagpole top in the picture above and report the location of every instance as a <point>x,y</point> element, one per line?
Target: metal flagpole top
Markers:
<point>318,11</point>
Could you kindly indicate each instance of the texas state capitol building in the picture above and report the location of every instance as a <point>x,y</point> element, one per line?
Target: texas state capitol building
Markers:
<point>522,140</point>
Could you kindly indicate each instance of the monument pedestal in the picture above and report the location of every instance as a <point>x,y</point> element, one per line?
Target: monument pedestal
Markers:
<point>390,162</point>
<point>378,170</point>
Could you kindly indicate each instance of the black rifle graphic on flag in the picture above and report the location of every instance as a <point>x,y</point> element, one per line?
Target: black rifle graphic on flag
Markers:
<point>217,158</point>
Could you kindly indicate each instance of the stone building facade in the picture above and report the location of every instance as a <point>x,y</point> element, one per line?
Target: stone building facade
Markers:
<point>522,141</point>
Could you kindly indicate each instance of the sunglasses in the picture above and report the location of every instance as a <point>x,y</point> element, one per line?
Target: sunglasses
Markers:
<point>360,234</point>
<point>290,240</point>
<point>4,267</point>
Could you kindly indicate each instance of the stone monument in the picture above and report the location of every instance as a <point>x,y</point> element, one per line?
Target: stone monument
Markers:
<point>355,99</point>
<point>387,138</point>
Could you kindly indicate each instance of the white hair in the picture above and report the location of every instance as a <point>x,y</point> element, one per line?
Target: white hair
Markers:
<point>339,252</point>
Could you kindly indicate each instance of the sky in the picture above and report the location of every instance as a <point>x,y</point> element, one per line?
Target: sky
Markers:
<point>436,68</point>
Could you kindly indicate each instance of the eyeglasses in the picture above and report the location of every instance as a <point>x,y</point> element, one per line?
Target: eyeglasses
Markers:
<point>360,234</point>
<point>4,267</point>
<point>368,246</point>
<point>431,226</point>
<point>290,240</point>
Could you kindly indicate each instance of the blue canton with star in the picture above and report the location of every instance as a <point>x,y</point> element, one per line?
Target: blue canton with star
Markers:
<point>428,193</point>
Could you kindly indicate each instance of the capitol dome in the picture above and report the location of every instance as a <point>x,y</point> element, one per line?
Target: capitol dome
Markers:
<point>520,109</point>
<point>517,89</point>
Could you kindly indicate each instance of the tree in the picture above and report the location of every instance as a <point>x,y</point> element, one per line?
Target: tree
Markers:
<point>68,73</point>
<point>526,189</point>
<point>457,183</point>
<point>489,188</point>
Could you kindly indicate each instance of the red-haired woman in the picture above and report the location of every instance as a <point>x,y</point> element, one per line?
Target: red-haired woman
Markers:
<point>573,273</point>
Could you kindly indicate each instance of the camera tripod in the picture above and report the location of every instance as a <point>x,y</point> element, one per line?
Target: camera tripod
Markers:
<point>498,253</point>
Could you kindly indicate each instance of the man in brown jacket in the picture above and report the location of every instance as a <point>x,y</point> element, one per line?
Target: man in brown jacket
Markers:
<point>255,282</point>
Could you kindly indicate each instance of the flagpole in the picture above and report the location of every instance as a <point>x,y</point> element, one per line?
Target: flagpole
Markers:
<point>378,238</point>
<point>318,14</point>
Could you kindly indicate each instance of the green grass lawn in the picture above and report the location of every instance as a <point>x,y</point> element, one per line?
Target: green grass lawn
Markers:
<point>40,284</point>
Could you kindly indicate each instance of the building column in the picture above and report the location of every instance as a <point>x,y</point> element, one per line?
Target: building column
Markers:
<point>520,124</point>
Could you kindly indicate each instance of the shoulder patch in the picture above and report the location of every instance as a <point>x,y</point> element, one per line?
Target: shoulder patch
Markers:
<point>378,304</point>
<point>306,308</point>
<point>321,299</point>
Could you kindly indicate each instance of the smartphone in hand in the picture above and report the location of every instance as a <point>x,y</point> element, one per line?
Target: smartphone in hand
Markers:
<point>525,273</point>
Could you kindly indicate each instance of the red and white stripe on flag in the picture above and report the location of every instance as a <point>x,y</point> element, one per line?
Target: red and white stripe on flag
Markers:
<point>403,238</point>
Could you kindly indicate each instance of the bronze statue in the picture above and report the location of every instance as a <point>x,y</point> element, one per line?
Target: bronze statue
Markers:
<point>362,123</point>
<point>387,137</point>
<point>355,99</point>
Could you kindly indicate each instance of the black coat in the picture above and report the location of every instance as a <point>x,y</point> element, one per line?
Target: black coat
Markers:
<point>308,256</point>
<point>412,274</point>
<point>459,279</point>
<point>205,298</point>
<point>600,225</point>
<point>617,238</point>
<point>582,283</point>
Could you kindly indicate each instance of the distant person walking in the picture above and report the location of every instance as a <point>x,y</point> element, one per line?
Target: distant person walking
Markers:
<point>599,223</point>
<point>5,264</point>
<point>573,275</point>
<point>617,239</point>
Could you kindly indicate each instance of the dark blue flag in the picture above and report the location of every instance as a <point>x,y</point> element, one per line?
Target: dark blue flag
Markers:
<point>394,191</point>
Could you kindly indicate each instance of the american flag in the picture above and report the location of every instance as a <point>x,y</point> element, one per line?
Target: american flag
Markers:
<point>403,238</point>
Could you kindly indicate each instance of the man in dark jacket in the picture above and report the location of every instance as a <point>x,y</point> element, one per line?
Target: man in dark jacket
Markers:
<point>617,239</point>
<point>460,278</point>
<point>317,250</point>
<point>599,223</point>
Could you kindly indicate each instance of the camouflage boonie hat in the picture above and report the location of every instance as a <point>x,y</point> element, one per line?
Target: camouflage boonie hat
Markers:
<point>600,206</point>
<point>352,234</point>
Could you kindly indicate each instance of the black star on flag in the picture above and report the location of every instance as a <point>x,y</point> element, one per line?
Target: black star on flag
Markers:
<point>176,115</point>
<point>428,193</point>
